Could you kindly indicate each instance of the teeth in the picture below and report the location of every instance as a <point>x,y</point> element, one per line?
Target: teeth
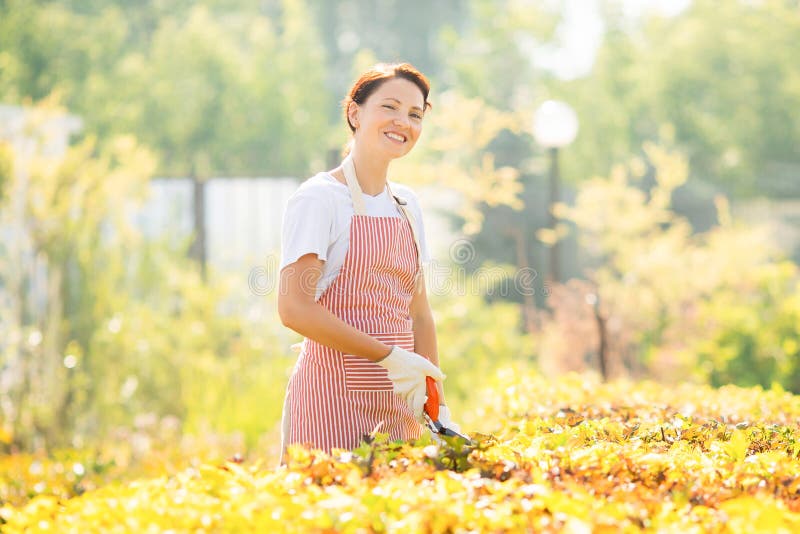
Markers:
<point>395,136</point>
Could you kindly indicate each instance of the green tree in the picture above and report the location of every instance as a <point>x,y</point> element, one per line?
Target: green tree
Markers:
<point>209,90</point>
<point>492,56</point>
<point>225,96</point>
<point>720,75</point>
<point>45,47</point>
<point>393,30</point>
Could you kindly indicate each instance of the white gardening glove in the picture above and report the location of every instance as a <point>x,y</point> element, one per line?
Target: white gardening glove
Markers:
<point>407,371</point>
<point>444,418</point>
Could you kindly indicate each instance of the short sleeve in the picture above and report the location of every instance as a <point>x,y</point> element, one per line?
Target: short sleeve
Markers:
<point>307,226</point>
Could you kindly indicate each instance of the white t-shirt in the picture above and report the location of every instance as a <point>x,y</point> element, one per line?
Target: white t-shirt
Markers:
<point>317,220</point>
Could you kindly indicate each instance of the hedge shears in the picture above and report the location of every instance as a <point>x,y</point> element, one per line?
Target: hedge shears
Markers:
<point>431,413</point>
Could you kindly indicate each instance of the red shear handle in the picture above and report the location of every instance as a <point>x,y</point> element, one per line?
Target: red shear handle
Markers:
<point>432,404</point>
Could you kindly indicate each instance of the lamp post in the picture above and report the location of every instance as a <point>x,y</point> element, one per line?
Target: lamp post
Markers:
<point>555,126</point>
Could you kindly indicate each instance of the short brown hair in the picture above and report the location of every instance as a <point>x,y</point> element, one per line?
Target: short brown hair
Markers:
<point>370,80</point>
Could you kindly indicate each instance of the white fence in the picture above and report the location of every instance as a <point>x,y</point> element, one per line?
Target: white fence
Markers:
<point>242,217</point>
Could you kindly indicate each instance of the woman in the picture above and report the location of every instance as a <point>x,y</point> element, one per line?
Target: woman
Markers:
<point>351,281</point>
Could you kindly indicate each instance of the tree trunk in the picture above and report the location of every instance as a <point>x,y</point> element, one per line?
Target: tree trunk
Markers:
<point>198,248</point>
<point>528,303</point>
<point>555,267</point>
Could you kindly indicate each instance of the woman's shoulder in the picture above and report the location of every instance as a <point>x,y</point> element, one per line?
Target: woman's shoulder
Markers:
<point>321,187</point>
<point>404,192</point>
<point>320,184</point>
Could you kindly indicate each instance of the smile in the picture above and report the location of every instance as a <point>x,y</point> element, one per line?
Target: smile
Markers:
<point>395,137</point>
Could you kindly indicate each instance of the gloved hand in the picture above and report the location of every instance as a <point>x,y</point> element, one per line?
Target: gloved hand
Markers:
<point>407,371</point>
<point>444,418</point>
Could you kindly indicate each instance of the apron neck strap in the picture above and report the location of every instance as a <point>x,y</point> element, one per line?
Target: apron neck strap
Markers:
<point>402,205</point>
<point>352,184</point>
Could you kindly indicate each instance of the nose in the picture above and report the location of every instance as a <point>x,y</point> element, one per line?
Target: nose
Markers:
<point>401,121</point>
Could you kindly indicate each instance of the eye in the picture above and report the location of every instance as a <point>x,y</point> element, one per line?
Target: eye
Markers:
<point>388,106</point>
<point>416,116</point>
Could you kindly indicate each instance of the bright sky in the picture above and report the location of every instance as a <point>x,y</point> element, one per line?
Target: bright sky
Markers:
<point>583,30</point>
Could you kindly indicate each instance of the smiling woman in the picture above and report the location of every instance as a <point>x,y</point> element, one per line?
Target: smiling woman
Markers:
<point>398,103</point>
<point>351,281</point>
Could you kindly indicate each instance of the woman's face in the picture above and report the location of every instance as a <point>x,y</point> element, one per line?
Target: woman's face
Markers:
<point>390,120</point>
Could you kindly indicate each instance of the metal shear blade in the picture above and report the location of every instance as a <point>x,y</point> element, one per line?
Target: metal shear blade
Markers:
<point>438,429</point>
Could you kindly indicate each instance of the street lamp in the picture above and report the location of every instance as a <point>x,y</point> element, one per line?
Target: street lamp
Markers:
<point>555,125</point>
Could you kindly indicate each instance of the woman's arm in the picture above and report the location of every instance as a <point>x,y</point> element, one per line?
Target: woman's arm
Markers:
<point>299,311</point>
<point>424,328</point>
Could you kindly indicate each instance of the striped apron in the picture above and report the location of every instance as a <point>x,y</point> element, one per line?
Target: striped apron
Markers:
<point>334,399</point>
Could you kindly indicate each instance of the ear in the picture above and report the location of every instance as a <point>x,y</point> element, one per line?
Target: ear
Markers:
<point>352,114</point>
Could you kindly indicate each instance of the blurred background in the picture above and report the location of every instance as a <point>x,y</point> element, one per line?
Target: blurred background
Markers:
<point>609,187</point>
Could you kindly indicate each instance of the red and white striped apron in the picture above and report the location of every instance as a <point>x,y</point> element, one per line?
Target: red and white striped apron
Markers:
<point>334,399</point>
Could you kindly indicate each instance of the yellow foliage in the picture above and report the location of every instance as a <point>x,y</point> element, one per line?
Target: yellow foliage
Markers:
<point>567,455</point>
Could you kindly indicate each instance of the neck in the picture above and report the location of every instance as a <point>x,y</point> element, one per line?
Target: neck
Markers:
<point>371,172</point>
